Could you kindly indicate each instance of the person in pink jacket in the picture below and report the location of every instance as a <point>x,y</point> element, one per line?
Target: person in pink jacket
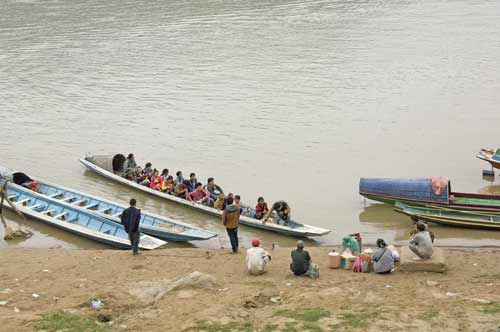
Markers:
<point>200,195</point>
<point>156,181</point>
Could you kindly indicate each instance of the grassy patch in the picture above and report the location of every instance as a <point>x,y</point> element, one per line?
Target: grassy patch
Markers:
<point>305,315</point>
<point>229,327</point>
<point>311,327</point>
<point>355,321</point>
<point>430,315</point>
<point>492,308</point>
<point>270,328</point>
<point>62,321</point>
<point>314,315</point>
<point>290,327</point>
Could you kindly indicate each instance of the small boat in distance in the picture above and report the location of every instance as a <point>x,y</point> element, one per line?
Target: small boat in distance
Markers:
<point>111,167</point>
<point>72,219</point>
<point>420,192</point>
<point>451,217</point>
<point>491,156</point>
<point>151,224</point>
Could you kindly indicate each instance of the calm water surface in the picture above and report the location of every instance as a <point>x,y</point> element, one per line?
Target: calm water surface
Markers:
<point>291,100</point>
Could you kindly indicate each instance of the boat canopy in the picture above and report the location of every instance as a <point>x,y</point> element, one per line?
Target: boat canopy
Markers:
<point>419,190</point>
<point>111,163</point>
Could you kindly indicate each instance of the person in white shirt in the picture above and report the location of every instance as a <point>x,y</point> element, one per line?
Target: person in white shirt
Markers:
<point>257,258</point>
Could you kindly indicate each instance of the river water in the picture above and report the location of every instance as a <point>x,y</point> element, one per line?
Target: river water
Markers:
<point>292,100</point>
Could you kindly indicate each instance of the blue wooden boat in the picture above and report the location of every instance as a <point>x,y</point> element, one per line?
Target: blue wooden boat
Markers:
<point>418,192</point>
<point>111,167</point>
<point>73,220</point>
<point>151,224</point>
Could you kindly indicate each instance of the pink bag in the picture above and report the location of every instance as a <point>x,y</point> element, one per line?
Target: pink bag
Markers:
<point>358,265</point>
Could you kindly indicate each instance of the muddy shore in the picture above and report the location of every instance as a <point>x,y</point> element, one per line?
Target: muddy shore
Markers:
<point>465,298</point>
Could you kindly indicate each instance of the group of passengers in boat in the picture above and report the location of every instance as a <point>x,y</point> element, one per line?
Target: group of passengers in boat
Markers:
<point>192,190</point>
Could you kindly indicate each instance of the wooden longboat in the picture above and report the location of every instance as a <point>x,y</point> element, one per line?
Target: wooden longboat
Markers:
<point>72,219</point>
<point>451,217</point>
<point>155,225</point>
<point>418,192</point>
<point>111,167</point>
<point>491,156</point>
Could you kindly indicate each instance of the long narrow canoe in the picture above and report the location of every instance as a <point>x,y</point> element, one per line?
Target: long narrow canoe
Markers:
<point>418,192</point>
<point>111,167</point>
<point>73,220</point>
<point>151,224</point>
<point>491,156</point>
<point>451,217</point>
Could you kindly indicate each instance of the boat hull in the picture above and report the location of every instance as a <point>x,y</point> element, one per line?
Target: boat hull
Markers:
<point>105,166</point>
<point>380,192</point>
<point>451,217</point>
<point>151,224</point>
<point>36,207</point>
<point>490,156</point>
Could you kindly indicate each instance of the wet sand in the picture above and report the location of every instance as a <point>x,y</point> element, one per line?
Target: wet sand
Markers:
<point>465,298</point>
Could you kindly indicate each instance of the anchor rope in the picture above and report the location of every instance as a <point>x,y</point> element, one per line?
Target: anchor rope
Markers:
<point>5,196</point>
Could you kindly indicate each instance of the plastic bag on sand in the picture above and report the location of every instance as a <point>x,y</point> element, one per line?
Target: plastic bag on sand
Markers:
<point>150,292</point>
<point>358,265</point>
<point>351,243</point>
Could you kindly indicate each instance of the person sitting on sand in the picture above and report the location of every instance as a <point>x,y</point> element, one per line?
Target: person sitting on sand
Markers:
<point>213,189</point>
<point>261,208</point>
<point>168,185</point>
<point>282,209</point>
<point>200,195</point>
<point>421,242</point>
<point>179,178</point>
<point>257,258</point>
<point>383,261</point>
<point>220,203</point>
<point>156,181</point>
<point>301,260</point>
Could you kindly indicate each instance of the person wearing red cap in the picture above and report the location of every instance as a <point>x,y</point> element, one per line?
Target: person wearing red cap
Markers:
<point>257,258</point>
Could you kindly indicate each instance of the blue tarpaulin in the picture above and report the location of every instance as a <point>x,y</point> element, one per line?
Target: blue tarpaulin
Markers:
<point>405,189</point>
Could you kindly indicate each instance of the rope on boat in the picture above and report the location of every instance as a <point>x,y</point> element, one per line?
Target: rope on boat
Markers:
<point>11,232</point>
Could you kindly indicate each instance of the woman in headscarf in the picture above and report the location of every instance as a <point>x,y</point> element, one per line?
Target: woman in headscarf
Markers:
<point>382,258</point>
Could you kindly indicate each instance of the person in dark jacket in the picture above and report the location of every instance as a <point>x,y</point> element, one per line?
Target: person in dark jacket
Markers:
<point>213,189</point>
<point>130,219</point>
<point>301,260</point>
<point>230,219</point>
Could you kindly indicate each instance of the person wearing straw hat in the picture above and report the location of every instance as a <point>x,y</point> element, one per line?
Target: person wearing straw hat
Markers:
<point>257,258</point>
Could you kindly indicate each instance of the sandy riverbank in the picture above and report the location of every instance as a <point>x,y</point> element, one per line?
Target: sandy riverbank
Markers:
<point>466,298</point>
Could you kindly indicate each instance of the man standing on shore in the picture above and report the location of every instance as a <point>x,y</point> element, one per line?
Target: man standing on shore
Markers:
<point>230,219</point>
<point>130,220</point>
